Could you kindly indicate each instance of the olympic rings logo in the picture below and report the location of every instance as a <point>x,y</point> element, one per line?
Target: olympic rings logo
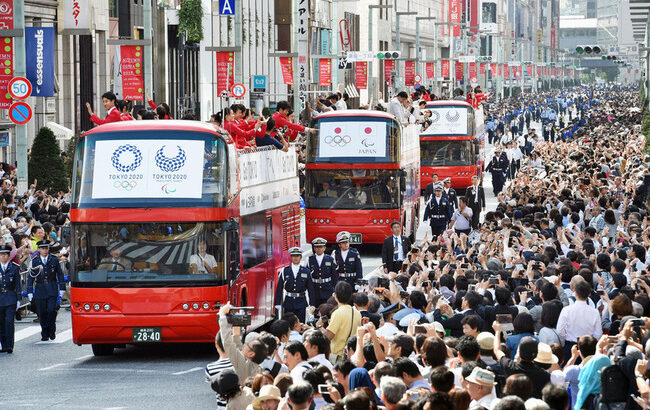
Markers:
<point>339,140</point>
<point>125,185</point>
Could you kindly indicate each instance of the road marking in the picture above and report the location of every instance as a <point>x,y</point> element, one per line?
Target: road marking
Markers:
<point>106,369</point>
<point>193,369</point>
<point>26,332</point>
<point>52,367</point>
<point>60,338</point>
<point>84,357</point>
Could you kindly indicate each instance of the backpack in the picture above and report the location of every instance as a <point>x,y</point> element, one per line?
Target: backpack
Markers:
<point>614,387</point>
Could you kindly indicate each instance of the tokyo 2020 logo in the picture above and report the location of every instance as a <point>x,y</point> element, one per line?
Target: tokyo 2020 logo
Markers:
<point>126,164</point>
<point>168,164</point>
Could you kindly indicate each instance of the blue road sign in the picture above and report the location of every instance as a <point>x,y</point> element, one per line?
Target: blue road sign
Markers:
<point>227,7</point>
<point>259,83</point>
<point>20,113</point>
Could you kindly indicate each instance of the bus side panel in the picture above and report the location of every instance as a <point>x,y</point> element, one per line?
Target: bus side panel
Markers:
<point>145,307</point>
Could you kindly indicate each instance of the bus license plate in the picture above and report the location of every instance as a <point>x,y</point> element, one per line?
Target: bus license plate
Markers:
<point>146,334</point>
<point>355,239</point>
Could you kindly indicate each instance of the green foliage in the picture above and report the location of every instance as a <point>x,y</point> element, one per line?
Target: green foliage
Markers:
<point>69,161</point>
<point>190,20</point>
<point>46,164</point>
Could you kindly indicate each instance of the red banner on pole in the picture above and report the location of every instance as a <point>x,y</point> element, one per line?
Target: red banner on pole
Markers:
<point>444,68</point>
<point>286,64</point>
<point>225,71</point>
<point>324,72</point>
<point>361,74</point>
<point>517,72</point>
<point>6,70</point>
<point>472,71</point>
<point>529,70</point>
<point>459,71</point>
<point>409,73</point>
<point>429,70</point>
<point>506,71</point>
<point>539,71</point>
<point>493,70</point>
<point>482,68</point>
<point>500,70</point>
<point>389,65</point>
<point>131,67</point>
<point>455,15</point>
<point>7,14</point>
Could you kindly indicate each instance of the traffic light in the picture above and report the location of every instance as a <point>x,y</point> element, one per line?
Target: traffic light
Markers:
<point>484,59</point>
<point>388,55</point>
<point>588,49</point>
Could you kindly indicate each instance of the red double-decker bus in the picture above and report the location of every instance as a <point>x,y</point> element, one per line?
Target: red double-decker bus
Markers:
<point>168,220</point>
<point>362,173</point>
<point>454,144</point>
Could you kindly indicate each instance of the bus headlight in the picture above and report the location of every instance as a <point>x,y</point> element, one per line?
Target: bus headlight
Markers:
<point>327,221</point>
<point>97,306</point>
<point>107,307</point>
<point>186,306</point>
<point>87,307</point>
<point>374,221</point>
<point>195,305</point>
<point>206,306</point>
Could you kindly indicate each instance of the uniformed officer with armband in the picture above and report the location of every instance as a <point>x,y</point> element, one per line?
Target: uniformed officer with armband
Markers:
<point>9,298</point>
<point>323,272</point>
<point>450,193</point>
<point>348,261</point>
<point>46,281</point>
<point>438,212</point>
<point>294,286</point>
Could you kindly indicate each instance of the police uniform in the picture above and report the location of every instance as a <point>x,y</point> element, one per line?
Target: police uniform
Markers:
<point>294,285</point>
<point>46,281</point>
<point>450,194</point>
<point>348,268</point>
<point>497,167</point>
<point>323,273</point>
<point>9,299</point>
<point>438,214</point>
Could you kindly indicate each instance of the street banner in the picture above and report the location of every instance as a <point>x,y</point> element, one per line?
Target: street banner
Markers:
<point>482,69</point>
<point>409,73</point>
<point>472,71</point>
<point>529,70</point>
<point>324,72</point>
<point>131,68</point>
<point>429,70</point>
<point>444,68</point>
<point>7,14</point>
<point>539,71</point>
<point>226,71</point>
<point>389,65</point>
<point>117,72</point>
<point>6,70</point>
<point>368,139</point>
<point>506,71</point>
<point>39,57</point>
<point>302,33</point>
<point>455,15</point>
<point>361,74</point>
<point>517,72</point>
<point>76,14</point>
<point>459,71</point>
<point>493,70</point>
<point>286,64</point>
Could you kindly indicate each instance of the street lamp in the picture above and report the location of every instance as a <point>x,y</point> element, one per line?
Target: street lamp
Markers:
<point>371,7</point>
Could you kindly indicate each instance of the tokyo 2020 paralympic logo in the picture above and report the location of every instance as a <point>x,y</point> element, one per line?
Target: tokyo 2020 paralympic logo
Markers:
<point>117,160</point>
<point>170,164</point>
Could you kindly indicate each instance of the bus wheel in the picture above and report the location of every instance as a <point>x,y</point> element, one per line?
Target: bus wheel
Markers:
<point>102,349</point>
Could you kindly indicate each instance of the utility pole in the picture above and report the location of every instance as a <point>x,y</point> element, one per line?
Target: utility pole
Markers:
<point>148,59</point>
<point>417,42</point>
<point>19,64</point>
<point>371,82</point>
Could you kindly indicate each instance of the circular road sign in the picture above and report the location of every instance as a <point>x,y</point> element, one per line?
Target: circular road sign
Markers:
<point>20,113</point>
<point>238,90</point>
<point>473,82</point>
<point>417,78</point>
<point>19,88</point>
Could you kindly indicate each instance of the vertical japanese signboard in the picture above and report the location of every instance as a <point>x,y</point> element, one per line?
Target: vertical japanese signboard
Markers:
<point>459,71</point>
<point>286,65</point>
<point>6,70</point>
<point>493,70</point>
<point>361,74</point>
<point>225,71</point>
<point>7,14</point>
<point>444,68</point>
<point>409,73</point>
<point>76,14</point>
<point>389,66</point>
<point>324,72</point>
<point>303,51</point>
<point>455,15</point>
<point>429,70</point>
<point>482,69</point>
<point>472,71</point>
<point>131,67</point>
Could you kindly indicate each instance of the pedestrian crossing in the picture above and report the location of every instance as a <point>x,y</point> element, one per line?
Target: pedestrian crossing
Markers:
<point>32,333</point>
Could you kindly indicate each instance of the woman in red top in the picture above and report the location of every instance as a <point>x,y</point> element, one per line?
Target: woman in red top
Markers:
<point>163,111</point>
<point>240,137</point>
<point>281,120</point>
<point>125,110</point>
<point>112,114</point>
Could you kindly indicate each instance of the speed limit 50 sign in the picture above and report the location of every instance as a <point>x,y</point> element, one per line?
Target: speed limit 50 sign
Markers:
<point>19,88</point>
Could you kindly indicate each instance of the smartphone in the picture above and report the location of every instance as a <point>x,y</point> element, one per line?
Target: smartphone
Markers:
<point>493,280</point>
<point>420,329</point>
<point>471,287</point>
<point>322,389</point>
<point>452,266</point>
<point>425,284</point>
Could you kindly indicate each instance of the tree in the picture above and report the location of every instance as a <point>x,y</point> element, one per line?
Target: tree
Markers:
<point>46,164</point>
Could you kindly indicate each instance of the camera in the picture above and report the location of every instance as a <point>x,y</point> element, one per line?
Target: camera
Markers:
<point>493,280</point>
<point>239,319</point>
<point>362,282</point>
<point>638,323</point>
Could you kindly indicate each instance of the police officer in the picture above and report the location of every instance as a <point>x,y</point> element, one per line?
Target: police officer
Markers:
<point>450,193</point>
<point>323,272</point>
<point>348,262</point>
<point>294,286</point>
<point>497,167</point>
<point>48,285</point>
<point>9,298</point>
<point>438,212</point>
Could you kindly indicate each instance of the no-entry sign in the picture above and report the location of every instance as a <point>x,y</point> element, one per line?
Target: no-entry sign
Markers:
<point>20,113</point>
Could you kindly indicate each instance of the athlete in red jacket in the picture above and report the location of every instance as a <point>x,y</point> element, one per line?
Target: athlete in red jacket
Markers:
<point>281,120</point>
<point>113,115</point>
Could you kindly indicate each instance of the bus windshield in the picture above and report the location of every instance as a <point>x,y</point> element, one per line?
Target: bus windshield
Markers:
<point>353,189</point>
<point>354,140</point>
<point>150,169</point>
<point>448,120</point>
<point>447,153</point>
<point>152,254</point>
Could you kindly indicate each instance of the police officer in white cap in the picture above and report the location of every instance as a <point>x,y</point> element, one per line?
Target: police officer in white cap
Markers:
<point>323,271</point>
<point>450,193</point>
<point>294,287</point>
<point>438,212</point>
<point>347,259</point>
<point>9,298</point>
<point>46,278</point>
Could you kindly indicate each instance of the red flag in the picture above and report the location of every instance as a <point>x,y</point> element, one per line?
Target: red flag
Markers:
<point>389,65</point>
<point>500,70</point>
<point>455,12</point>
<point>226,70</point>
<point>131,67</point>
<point>459,71</point>
<point>286,64</point>
<point>429,70</point>
<point>482,69</point>
<point>472,71</point>
<point>506,71</point>
<point>529,70</point>
<point>494,69</point>
<point>324,72</point>
<point>361,74</point>
<point>444,68</point>
<point>409,73</point>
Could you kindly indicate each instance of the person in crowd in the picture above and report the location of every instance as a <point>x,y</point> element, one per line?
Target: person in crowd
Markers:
<point>395,249</point>
<point>10,295</point>
<point>294,286</point>
<point>348,260</point>
<point>112,113</point>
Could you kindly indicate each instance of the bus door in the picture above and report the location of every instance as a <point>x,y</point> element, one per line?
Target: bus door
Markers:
<point>266,308</point>
<point>232,258</point>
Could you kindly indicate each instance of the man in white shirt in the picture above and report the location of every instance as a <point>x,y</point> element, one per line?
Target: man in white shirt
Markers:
<point>202,262</point>
<point>295,357</point>
<point>579,318</point>
<point>480,386</point>
<point>318,347</point>
<point>396,107</point>
<point>389,328</point>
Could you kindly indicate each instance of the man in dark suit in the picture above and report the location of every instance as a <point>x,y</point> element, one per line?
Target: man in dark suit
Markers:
<point>470,303</point>
<point>395,248</point>
<point>475,198</point>
<point>428,191</point>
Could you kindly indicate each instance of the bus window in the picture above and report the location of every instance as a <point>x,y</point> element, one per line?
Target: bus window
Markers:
<point>253,242</point>
<point>233,253</point>
<point>269,237</point>
<point>447,153</point>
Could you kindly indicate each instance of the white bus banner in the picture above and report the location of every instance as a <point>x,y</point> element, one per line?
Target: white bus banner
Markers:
<point>352,139</point>
<point>148,169</point>
<point>448,121</point>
